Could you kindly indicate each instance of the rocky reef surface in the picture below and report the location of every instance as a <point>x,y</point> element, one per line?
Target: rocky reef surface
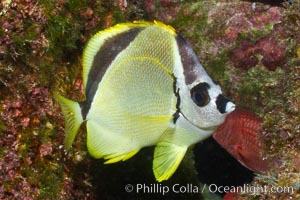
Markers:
<point>251,48</point>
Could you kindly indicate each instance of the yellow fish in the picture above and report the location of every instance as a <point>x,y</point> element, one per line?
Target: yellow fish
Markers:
<point>144,86</point>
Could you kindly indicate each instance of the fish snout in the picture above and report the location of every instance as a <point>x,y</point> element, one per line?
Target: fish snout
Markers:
<point>224,105</point>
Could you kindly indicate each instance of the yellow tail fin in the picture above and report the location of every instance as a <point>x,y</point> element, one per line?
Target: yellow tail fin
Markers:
<point>73,118</point>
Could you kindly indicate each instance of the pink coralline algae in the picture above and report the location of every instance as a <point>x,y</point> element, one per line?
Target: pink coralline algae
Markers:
<point>253,31</point>
<point>237,24</point>
<point>12,24</point>
<point>247,55</point>
<point>24,112</point>
<point>239,18</point>
<point>164,10</point>
<point>45,149</point>
<point>10,166</point>
<point>19,115</point>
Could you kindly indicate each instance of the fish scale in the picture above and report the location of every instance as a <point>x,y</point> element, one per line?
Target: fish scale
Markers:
<point>239,135</point>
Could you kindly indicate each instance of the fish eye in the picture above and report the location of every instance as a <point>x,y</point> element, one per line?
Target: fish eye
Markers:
<point>200,95</point>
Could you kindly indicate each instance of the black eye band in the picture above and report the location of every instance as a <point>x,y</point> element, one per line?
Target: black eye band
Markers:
<point>221,103</point>
<point>200,95</point>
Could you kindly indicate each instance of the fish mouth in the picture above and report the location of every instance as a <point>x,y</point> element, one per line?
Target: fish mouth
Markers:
<point>224,105</point>
<point>230,107</point>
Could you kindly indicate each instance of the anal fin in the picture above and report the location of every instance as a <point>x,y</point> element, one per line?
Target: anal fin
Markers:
<point>113,158</point>
<point>104,143</point>
<point>167,157</point>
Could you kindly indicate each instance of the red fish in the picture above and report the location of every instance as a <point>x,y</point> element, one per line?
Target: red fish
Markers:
<point>239,135</point>
<point>231,196</point>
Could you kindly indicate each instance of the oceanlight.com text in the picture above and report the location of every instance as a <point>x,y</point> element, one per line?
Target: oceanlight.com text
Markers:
<point>250,189</point>
<point>158,188</point>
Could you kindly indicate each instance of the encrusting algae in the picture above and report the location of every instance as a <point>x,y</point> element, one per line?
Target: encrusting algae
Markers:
<point>41,40</point>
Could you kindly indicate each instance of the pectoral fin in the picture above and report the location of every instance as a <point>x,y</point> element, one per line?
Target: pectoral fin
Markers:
<point>167,157</point>
<point>173,145</point>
